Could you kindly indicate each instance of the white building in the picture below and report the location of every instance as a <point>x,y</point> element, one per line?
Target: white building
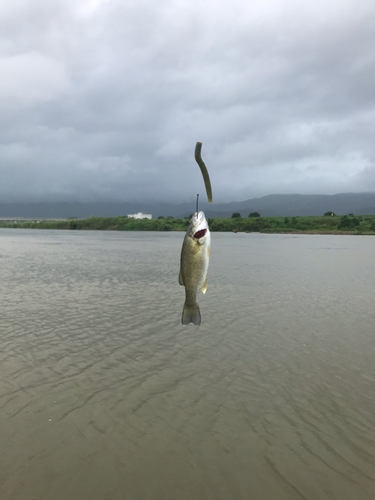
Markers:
<point>140,215</point>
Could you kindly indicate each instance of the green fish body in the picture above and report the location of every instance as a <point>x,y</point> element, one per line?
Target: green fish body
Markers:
<point>195,256</point>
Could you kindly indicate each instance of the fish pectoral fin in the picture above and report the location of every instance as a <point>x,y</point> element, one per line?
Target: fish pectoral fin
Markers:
<point>180,280</point>
<point>204,287</point>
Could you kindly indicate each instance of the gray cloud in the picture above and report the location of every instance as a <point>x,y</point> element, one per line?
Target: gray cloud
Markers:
<point>106,100</point>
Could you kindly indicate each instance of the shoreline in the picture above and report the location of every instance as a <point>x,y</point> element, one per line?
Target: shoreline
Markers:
<point>327,233</point>
<point>338,233</point>
<point>336,225</point>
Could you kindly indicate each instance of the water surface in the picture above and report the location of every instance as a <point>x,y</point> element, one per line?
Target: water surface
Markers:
<point>105,396</point>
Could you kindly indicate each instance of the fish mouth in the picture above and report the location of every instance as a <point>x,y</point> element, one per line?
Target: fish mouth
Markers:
<point>200,234</point>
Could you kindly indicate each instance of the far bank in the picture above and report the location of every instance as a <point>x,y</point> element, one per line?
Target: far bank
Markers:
<point>346,224</point>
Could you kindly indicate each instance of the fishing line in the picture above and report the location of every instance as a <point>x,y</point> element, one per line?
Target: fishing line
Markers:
<point>197,203</point>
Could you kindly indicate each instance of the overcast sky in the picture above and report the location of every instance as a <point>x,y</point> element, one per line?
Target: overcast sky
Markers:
<point>105,100</point>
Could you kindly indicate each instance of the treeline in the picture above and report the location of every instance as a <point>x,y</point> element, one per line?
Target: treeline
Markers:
<point>121,223</point>
<point>349,224</point>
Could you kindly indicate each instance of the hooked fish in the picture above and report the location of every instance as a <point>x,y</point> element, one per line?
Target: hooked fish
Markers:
<point>195,255</point>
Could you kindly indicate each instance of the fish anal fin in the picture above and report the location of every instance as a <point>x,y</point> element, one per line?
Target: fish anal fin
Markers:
<point>204,287</point>
<point>180,280</point>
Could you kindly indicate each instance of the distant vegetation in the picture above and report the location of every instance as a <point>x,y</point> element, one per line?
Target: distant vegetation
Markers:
<point>346,224</point>
<point>120,223</point>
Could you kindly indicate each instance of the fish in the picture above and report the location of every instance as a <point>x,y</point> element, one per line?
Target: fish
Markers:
<point>195,255</point>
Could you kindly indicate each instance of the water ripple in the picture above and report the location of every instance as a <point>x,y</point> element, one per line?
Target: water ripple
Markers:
<point>103,394</point>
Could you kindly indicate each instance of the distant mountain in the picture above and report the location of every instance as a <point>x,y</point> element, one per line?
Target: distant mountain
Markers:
<point>366,211</point>
<point>279,205</point>
<point>276,205</point>
<point>84,210</point>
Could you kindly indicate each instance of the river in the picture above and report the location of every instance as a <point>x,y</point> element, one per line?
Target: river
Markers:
<point>104,395</point>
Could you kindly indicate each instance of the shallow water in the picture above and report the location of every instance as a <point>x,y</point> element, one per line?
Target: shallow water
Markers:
<point>104,395</point>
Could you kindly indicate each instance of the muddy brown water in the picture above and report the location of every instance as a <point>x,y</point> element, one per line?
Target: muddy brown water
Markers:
<point>105,396</point>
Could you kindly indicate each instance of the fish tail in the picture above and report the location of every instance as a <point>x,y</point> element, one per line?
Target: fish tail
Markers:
<point>191,314</point>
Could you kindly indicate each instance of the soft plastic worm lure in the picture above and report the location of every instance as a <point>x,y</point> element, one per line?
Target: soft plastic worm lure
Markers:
<point>206,177</point>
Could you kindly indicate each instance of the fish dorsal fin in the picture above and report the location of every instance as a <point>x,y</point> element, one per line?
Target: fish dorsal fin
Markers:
<point>180,280</point>
<point>204,287</point>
